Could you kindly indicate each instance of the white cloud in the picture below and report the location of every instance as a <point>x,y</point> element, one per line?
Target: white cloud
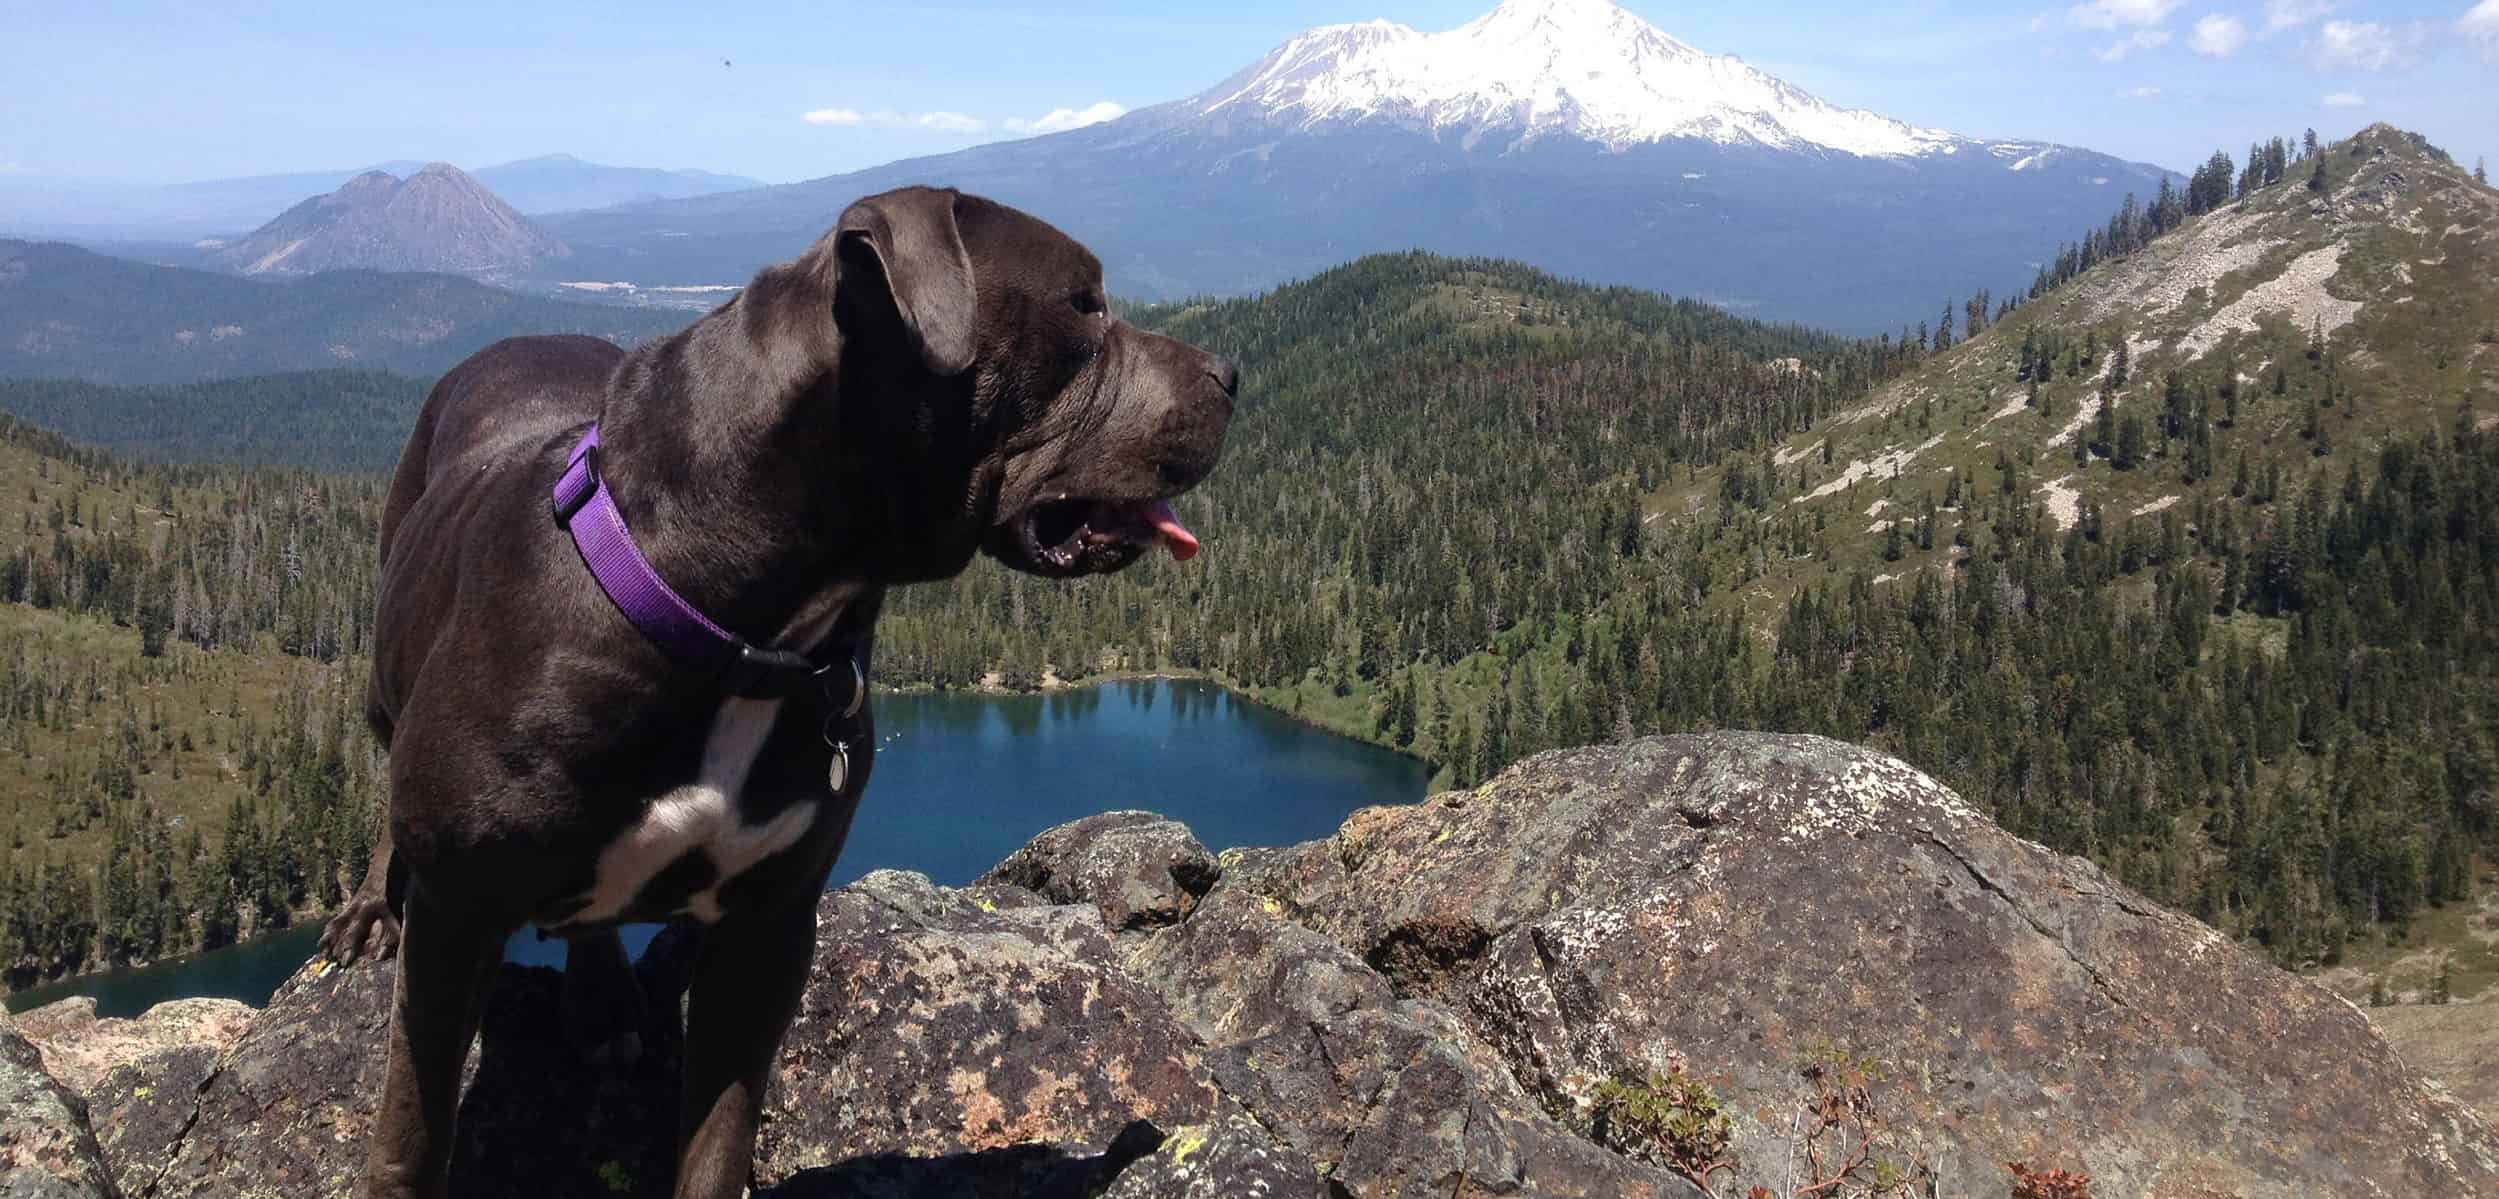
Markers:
<point>2480,24</point>
<point>1059,120</point>
<point>2141,39</point>
<point>2219,36</point>
<point>2364,46</point>
<point>940,121</point>
<point>944,121</point>
<point>2291,14</point>
<point>2116,14</point>
<point>2140,93</point>
<point>2343,100</point>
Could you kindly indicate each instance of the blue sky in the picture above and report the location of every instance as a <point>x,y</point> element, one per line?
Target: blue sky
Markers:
<point>167,91</point>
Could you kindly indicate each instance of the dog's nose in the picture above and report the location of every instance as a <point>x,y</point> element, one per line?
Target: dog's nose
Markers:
<point>1226,373</point>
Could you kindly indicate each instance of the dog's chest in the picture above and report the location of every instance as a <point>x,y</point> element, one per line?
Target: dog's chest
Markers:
<point>696,837</point>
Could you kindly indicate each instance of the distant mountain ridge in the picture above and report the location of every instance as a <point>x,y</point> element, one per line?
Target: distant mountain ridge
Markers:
<point>39,206</point>
<point>438,219</point>
<point>562,183</point>
<point>1568,134</point>
<point>72,314</point>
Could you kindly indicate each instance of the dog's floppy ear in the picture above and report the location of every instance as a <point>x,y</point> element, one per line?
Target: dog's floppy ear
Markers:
<point>912,236</point>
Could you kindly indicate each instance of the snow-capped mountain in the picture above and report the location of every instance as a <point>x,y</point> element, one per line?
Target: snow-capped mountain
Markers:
<point>1567,133</point>
<point>1546,68</point>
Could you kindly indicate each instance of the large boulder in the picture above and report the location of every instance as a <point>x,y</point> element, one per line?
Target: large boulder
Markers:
<point>47,1150</point>
<point>1792,919</point>
<point>1139,869</point>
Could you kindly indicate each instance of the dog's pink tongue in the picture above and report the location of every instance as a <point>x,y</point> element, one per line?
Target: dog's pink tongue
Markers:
<point>1176,536</point>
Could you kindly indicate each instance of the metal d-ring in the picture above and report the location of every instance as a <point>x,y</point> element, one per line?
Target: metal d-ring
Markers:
<point>858,689</point>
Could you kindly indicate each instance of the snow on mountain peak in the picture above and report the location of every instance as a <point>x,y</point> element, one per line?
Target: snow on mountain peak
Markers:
<point>1532,68</point>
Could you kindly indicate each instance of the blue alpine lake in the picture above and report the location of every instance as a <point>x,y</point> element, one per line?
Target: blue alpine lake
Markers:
<point>962,781</point>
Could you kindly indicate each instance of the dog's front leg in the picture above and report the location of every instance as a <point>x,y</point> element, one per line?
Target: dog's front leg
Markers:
<point>746,989</point>
<point>446,963</point>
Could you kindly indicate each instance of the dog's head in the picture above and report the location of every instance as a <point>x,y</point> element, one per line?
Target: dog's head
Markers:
<point>1077,429</point>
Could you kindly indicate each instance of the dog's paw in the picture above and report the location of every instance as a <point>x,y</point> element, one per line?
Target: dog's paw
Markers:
<point>364,928</point>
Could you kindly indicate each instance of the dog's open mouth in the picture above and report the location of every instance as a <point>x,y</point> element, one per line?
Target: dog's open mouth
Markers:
<point>1084,535</point>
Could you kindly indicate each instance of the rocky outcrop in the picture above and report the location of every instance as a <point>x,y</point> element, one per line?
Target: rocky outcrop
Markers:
<point>47,1150</point>
<point>1749,908</point>
<point>80,1049</point>
<point>1783,955</point>
<point>142,1077</point>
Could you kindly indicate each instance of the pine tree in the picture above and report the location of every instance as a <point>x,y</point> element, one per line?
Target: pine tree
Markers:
<point>2480,174</point>
<point>2130,441</point>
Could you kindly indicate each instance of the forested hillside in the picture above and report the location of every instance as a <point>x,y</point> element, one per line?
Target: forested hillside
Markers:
<point>2227,631</point>
<point>181,700</point>
<point>1434,452</point>
<point>2189,562</point>
<point>339,420</point>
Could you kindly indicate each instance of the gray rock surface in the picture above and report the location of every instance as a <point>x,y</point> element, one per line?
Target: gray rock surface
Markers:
<point>1433,1001</point>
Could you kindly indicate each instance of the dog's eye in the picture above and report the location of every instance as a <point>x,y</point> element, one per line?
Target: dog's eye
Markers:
<point>1087,302</point>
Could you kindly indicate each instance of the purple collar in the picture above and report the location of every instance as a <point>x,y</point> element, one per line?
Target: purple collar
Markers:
<point>584,506</point>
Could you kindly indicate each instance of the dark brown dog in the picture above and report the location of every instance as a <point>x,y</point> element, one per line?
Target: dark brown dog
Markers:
<point>936,377</point>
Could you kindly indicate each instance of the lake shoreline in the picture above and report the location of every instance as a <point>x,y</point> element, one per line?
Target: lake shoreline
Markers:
<point>1051,684</point>
<point>1121,750</point>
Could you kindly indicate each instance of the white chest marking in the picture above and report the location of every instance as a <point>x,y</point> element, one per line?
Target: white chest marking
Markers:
<point>701,815</point>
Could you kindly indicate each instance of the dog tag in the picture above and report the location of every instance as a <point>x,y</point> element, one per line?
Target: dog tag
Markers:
<point>839,772</point>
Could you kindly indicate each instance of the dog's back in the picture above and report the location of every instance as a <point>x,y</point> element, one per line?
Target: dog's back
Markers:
<point>498,407</point>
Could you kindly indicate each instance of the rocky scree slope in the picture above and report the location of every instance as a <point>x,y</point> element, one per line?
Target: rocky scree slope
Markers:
<point>2391,269</point>
<point>1432,1001</point>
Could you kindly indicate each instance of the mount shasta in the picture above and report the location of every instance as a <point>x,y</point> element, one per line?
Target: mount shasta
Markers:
<point>1568,133</point>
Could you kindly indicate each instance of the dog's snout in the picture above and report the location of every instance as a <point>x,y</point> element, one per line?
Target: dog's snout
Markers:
<point>1226,373</point>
